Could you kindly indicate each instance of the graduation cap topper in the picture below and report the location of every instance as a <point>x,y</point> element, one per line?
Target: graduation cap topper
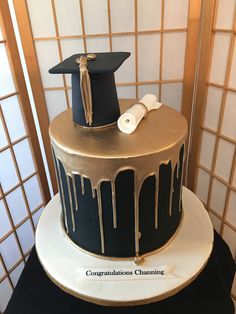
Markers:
<point>94,95</point>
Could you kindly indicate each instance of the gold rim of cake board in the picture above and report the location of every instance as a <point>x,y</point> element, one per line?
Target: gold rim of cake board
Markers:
<point>142,257</point>
<point>126,303</point>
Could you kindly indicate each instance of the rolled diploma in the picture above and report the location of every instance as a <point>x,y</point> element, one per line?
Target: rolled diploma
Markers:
<point>129,120</point>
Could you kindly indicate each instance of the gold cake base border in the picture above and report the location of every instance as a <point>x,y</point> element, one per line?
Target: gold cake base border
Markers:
<point>145,301</point>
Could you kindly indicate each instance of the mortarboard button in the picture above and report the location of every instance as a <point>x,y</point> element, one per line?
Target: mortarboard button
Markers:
<point>94,95</point>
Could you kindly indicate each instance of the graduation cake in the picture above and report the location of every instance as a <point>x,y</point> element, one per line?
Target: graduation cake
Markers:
<point>120,194</point>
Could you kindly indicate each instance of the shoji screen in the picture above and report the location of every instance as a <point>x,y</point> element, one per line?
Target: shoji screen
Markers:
<point>153,31</point>
<point>162,36</point>
<point>22,196</point>
<point>215,181</point>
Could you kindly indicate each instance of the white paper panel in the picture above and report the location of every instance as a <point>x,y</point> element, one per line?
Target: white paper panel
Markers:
<point>213,104</point>
<point>232,77</point>
<point>33,192</point>
<point>126,91</point>
<point>56,102</point>
<point>176,14</point>
<point>122,16</point>
<point>26,236</point>
<point>99,44</point>
<point>23,152</point>
<point>72,46</point>
<point>173,55</point>
<point>15,274</point>
<point>5,294</point>
<point>219,57</point>
<point>2,271</point>
<point>202,187</point>
<point>231,211</point>
<point>48,56</point>
<point>172,95</point>
<point>207,149</point>
<point>149,14</point>
<point>37,215</point>
<point>10,251</point>
<point>8,176</point>
<point>41,18</point>
<point>3,139</point>
<point>229,119</point>
<point>215,221</point>
<point>126,72</point>
<point>13,117</point>
<point>6,81</point>
<point>5,225</point>
<point>148,47</point>
<point>68,17</point>
<point>230,237</point>
<point>218,196</point>
<point>17,205</point>
<point>225,14</point>
<point>224,159</point>
<point>148,89</point>
<point>95,16</point>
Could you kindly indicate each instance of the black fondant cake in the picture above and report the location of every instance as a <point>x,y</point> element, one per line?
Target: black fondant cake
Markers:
<point>120,194</point>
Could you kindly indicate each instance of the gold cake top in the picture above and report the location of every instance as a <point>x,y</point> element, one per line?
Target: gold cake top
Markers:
<point>161,130</point>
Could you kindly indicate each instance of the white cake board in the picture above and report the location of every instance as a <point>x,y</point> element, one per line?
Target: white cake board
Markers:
<point>188,252</point>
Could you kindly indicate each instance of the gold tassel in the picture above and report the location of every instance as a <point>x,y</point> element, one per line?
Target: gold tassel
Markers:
<point>85,87</point>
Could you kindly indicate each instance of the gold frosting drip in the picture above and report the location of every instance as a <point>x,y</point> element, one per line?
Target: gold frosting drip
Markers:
<point>93,192</point>
<point>82,184</point>
<point>113,193</point>
<point>74,191</point>
<point>177,170</point>
<point>181,187</point>
<point>62,192</point>
<point>156,198</point>
<point>99,197</point>
<point>171,188</point>
<point>136,213</point>
<point>70,201</point>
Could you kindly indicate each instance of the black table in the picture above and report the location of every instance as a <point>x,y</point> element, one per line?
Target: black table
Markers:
<point>208,294</point>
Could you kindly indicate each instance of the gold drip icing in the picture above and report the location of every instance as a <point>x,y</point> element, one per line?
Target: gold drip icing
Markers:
<point>113,193</point>
<point>74,191</point>
<point>171,188</point>
<point>93,192</point>
<point>177,170</point>
<point>137,188</point>
<point>102,155</point>
<point>70,201</point>
<point>138,260</point>
<point>181,189</point>
<point>82,184</point>
<point>156,198</point>
<point>99,197</point>
<point>62,193</point>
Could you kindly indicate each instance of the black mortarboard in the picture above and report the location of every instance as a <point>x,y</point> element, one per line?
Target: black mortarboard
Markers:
<point>94,96</point>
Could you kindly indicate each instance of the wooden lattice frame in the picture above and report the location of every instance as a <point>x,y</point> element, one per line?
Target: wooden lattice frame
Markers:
<point>209,30</point>
<point>31,135</point>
